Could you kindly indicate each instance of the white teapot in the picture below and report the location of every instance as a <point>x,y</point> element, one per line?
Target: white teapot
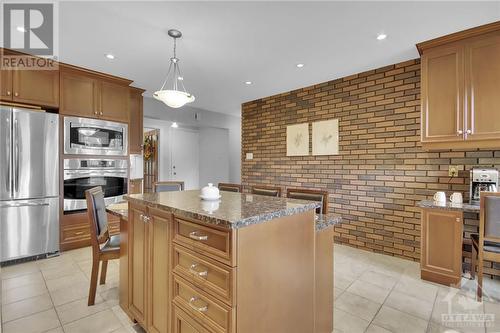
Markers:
<point>210,192</point>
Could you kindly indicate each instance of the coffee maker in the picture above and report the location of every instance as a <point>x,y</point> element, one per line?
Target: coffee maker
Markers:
<point>482,179</point>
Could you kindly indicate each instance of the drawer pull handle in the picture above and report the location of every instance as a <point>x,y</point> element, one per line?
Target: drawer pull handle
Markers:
<point>194,235</point>
<point>79,233</point>
<point>203,308</point>
<point>193,270</point>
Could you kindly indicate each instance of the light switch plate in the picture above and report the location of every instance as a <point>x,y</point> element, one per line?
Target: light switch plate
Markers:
<point>249,156</point>
<point>453,171</point>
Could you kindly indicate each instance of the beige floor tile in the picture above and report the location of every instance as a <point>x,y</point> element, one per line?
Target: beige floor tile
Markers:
<point>372,292</point>
<point>417,288</point>
<point>337,292</point>
<point>70,294</point>
<point>55,330</point>
<point>58,272</point>
<point>20,293</point>
<point>492,308</point>
<point>82,254</point>
<point>340,282</point>
<point>22,280</point>
<point>79,309</point>
<point>347,323</point>
<point>36,323</point>
<point>379,279</point>
<point>111,296</point>
<point>436,328</point>
<point>397,321</point>
<point>376,329</point>
<point>102,322</point>
<point>125,329</point>
<point>26,307</point>
<point>357,305</point>
<point>9,272</point>
<point>66,281</point>
<point>410,304</point>
<point>122,316</point>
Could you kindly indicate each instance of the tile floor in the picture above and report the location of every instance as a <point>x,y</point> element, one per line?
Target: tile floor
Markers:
<point>373,293</point>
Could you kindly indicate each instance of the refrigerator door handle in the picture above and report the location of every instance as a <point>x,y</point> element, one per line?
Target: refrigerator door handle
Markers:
<point>15,167</point>
<point>27,204</point>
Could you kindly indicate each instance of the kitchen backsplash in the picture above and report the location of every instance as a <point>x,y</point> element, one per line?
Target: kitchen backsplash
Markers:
<point>381,171</point>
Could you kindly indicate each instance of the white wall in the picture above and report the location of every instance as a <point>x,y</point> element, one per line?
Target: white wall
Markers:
<point>214,155</point>
<point>157,112</point>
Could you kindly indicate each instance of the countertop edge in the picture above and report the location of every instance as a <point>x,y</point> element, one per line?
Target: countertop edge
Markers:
<point>464,207</point>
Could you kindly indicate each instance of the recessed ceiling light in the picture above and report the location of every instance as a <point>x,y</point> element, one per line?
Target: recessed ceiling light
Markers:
<point>180,78</point>
<point>381,36</point>
<point>20,29</point>
<point>299,65</point>
<point>174,125</point>
<point>109,56</point>
<point>248,83</point>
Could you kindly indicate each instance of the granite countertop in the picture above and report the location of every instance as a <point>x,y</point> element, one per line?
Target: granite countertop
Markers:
<point>465,207</point>
<point>119,209</point>
<point>232,211</point>
<point>323,221</point>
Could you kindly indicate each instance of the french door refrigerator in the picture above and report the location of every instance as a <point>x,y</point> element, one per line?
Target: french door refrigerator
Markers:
<point>29,183</point>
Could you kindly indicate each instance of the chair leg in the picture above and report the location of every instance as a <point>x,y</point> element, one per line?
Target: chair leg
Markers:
<point>480,278</point>
<point>473,263</point>
<point>93,281</point>
<point>104,269</point>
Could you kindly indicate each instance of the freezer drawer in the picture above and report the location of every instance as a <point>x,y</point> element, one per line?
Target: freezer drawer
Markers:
<point>29,227</point>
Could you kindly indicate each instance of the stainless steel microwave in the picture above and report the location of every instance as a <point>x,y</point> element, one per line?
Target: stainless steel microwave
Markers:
<point>85,136</point>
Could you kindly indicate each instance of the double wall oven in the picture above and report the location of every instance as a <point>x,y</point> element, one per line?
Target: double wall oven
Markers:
<point>95,155</point>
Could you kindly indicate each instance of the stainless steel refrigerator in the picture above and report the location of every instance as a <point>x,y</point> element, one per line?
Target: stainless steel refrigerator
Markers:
<point>29,183</point>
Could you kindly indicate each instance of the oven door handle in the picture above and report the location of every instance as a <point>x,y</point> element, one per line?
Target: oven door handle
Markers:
<point>79,174</point>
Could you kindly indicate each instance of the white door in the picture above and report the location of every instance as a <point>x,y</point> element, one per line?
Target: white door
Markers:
<point>185,157</point>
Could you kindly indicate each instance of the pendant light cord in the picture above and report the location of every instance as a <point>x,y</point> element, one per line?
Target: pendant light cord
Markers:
<point>176,71</point>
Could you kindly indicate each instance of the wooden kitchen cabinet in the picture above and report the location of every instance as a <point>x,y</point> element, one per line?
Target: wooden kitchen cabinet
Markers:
<point>460,76</point>
<point>441,249</point>
<point>114,102</point>
<point>136,121</point>
<point>6,85</point>
<point>39,87</point>
<point>149,246</point>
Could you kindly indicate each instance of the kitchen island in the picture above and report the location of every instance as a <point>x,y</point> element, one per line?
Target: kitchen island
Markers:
<point>246,263</point>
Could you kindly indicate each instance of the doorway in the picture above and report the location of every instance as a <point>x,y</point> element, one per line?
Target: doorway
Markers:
<point>151,139</point>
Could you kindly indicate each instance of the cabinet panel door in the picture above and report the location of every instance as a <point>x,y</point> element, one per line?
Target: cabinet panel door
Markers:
<point>114,102</point>
<point>78,95</point>
<point>6,85</point>
<point>483,88</point>
<point>158,282</point>
<point>441,252</point>
<point>138,258</point>
<point>443,95</point>
<point>36,87</point>
<point>135,124</point>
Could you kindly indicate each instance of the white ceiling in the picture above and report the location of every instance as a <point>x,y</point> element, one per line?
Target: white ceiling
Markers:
<point>227,43</point>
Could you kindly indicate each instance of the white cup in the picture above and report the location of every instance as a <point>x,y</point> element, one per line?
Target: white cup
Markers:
<point>456,198</point>
<point>440,197</point>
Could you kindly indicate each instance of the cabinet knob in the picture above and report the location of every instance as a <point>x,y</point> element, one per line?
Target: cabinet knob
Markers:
<point>8,93</point>
<point>460,132</point>
<point>469,131</point>
<point>16,94</point>
<point>100,113</point>
<point>459,219</point>
<point>95,112</point>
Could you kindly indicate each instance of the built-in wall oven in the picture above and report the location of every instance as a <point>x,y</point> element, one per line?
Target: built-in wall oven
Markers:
<point>83,174</point>
<point>83,136</point>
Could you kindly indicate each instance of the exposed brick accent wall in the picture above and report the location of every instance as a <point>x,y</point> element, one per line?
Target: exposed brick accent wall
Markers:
<point>381,171</point>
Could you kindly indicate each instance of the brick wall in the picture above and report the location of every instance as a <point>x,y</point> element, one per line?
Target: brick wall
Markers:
<point>381,171</point>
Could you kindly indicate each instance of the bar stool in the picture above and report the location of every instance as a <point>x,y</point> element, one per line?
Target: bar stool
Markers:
<point>104,246</point>
<point>486,244</point>
<point>168,186</point>
<point>229,187</point>
<point>314,195</point>
<point>271,191</point>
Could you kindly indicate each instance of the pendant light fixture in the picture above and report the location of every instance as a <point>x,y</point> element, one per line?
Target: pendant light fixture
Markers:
<point>171,94</point>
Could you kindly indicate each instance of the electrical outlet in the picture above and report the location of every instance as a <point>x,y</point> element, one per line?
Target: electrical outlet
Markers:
<point>453,171</point>
<point>249,156</point>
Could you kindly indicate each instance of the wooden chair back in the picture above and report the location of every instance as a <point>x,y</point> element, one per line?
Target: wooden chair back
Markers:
<point>98,218</point>
<point>168,186</point>
<point>271,191</point>
<point>307,194</point>
<point>230,187</point>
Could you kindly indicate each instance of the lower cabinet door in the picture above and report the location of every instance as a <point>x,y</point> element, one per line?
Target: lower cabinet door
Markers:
<point>183,323</point>
<point>138,259</point>
<point>159,224</point>
<point>441,252</point>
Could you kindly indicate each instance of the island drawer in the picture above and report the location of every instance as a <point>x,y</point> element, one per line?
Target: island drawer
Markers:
<point>183,323</point>
<point>213,314</point>
<point>206,274</point>
<point>212,242</point>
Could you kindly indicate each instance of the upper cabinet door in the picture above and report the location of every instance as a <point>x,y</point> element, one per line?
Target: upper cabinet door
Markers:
<point>79,95</point>
<point>135,123</point>
<point>114,102</point>
<point>39,87</point>
<point>443,95</point>
<point>483,88</point>
<point>6,85</point>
